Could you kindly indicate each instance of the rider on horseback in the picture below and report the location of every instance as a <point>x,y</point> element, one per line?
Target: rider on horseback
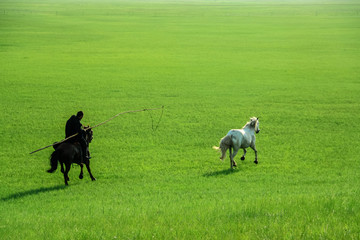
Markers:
<point>74,126</point>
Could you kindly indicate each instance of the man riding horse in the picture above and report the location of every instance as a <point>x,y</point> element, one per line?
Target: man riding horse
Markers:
<point>73,126</point>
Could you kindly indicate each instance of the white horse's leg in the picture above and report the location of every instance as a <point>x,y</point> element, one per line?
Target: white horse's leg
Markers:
<point>254,148</point>
<point>230,155</point>
<point>243,156</point>
<point>233,156</point>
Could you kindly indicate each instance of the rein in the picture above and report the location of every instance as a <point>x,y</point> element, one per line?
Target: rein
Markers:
<point>102,123</point>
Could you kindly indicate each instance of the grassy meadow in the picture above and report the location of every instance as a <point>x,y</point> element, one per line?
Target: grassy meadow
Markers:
<point>213,65</point>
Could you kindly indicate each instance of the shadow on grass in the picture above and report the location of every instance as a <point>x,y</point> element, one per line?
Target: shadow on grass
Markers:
<point>32,192</point>
<point>222,172</point>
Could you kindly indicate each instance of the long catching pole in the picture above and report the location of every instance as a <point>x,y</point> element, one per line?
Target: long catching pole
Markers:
<point>133,111</point>
<point>55,143</point>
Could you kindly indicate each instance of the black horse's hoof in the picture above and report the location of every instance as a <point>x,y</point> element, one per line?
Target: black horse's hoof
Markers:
<point>256,162</point>
<point>242,158</point>
<point>81,176</point>
<point>93,179</point>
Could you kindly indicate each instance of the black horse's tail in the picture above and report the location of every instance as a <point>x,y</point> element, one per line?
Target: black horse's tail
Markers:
<point>53,161</point>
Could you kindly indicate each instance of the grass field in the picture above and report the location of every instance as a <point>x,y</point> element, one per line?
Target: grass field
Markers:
<point>212,64</point>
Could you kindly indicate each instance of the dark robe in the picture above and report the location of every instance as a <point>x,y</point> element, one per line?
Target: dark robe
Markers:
<point>73,126</point>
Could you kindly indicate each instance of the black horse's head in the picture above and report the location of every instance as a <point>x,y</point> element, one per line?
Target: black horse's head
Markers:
<point>88,134</point>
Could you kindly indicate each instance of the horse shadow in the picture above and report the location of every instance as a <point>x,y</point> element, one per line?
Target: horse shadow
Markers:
<point>33,192</point>
<point>221,172</point>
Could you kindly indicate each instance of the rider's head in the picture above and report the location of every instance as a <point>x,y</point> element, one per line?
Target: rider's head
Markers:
<point>80,115</point>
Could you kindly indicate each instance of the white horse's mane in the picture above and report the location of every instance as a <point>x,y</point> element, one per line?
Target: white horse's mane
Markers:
<point>252,121</point>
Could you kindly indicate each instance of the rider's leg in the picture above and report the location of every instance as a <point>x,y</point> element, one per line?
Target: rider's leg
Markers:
<point>84,150</point>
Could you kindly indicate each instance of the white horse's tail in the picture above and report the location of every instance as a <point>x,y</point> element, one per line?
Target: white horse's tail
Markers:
<point>225,143</point>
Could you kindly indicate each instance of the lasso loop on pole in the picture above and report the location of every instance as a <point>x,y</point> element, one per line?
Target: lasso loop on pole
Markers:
<point>102,123</point>
<point>152,120</point>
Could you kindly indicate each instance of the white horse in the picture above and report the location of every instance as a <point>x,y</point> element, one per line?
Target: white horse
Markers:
<point>240,138</point>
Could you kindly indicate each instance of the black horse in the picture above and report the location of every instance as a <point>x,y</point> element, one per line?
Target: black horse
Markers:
<point>68,153</point>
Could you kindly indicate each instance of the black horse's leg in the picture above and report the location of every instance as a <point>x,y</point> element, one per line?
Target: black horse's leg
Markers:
<point>66,176</point>
<point>89,170</point>
<point>81,171</point>
<point>231,161</point>
<point>62,167</point>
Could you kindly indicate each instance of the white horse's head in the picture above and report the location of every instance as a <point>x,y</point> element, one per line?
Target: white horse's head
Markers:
<point>254,122</point>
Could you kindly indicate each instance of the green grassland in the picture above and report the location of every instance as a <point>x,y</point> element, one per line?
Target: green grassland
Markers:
<point>212,64</point>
